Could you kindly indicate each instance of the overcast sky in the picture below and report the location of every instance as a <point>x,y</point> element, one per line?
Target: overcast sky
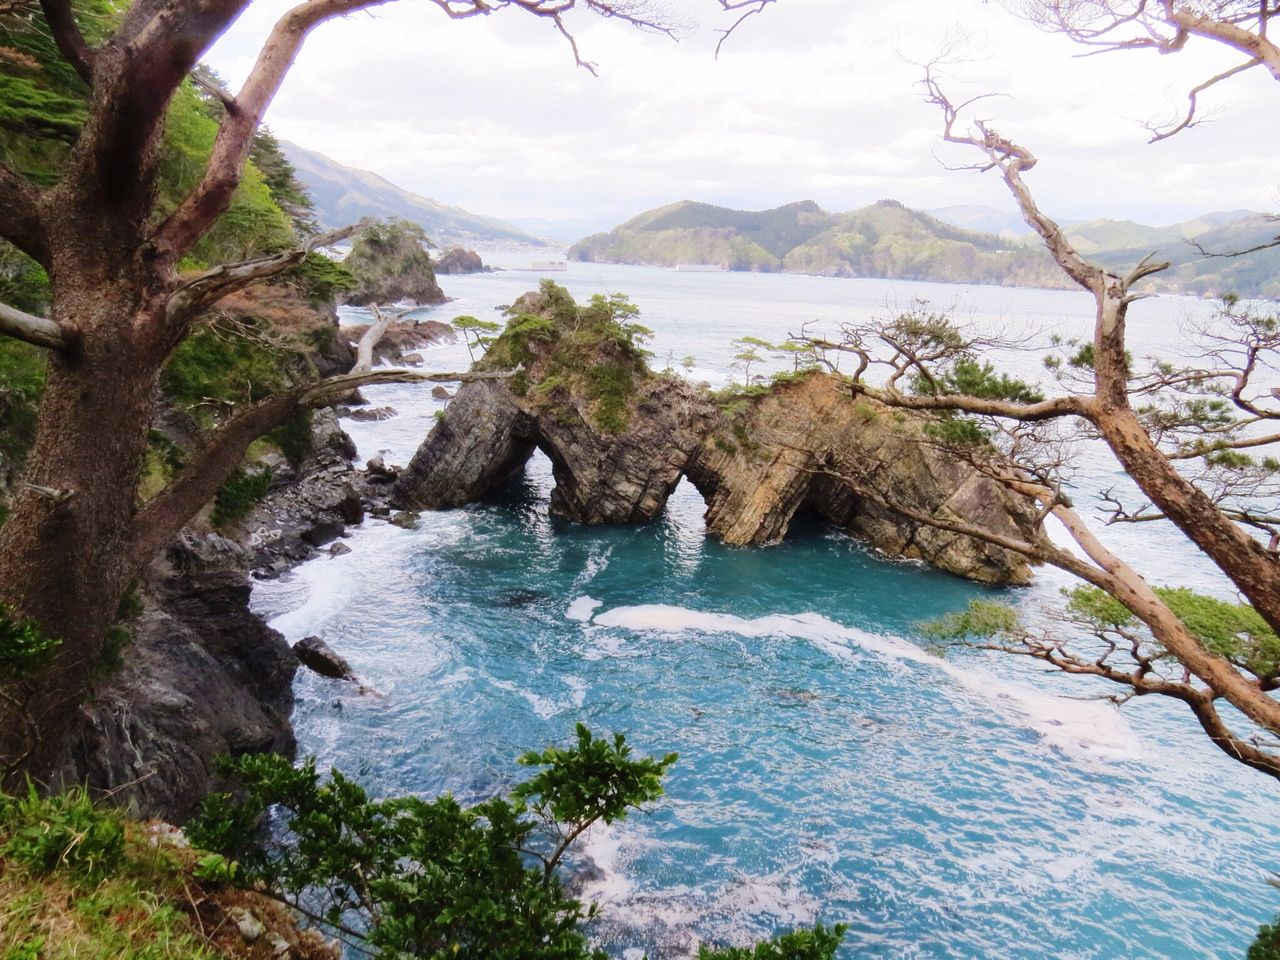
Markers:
<point>813,99</point>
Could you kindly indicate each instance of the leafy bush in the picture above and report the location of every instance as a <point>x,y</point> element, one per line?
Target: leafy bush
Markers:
<point>63,831</point>
<point>820,943</point>
<point>426,877</point>
<point>24,646</point>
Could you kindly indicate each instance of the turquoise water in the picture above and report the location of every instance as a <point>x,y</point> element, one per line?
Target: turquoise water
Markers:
<point>829,767</point>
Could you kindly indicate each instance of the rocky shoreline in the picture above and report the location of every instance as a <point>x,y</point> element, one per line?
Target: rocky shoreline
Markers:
<point>203,675</point>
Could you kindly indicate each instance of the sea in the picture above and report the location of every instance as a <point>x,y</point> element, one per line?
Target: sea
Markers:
<point>831,767</point>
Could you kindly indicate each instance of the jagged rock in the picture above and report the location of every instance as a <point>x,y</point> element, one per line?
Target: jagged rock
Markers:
<point>391,264</point>
<point>808,445</point>
<point>317,655</point>
<point>412,360</point>
<point>378,471</point>
<point>203,677</point>
<point>339,550</point>
<point>620,437</point>
<point>484,438</point>
<point>441,393</point>
<point>372,414</point>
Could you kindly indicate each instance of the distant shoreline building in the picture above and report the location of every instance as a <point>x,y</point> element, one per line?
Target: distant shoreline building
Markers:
<point>701,268</point>
<point>549,265</point>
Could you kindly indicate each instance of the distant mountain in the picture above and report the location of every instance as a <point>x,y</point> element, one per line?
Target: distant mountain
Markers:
<point>890,240</point>
<point>981,219</point>
<point>564,231</point>
<point>885,239</point>
<point>344,194</point>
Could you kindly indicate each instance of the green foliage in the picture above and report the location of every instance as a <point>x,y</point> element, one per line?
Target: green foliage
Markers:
<point>294,438</point>
<point>22,371</point>
<point>24,646</point>
<point>432,878</point>
<point>321,279</point>
<point>476,332</point>
<point>241,492</point>
<point>63,831</point>
<point>23,282</point>
<point>1266,946</point>
<point>1235,631</point>
<point>596,779</point>
<point>595,348</point>
<point>980,619</point>
<point>216,367</point>
<point>949,428</point>
<point>215,869</point>
<point>820,943</point>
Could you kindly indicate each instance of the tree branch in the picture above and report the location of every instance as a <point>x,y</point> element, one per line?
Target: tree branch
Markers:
<point>39,331</point>
<point>200,292</point>
<point>210,198</point>
<point>157,523</point>
<point>1050,409</point>
<point>20,220</point>
<point>66,34</point>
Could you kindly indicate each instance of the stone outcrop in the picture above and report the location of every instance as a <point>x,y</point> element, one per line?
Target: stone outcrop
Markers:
<point>457,260</point>
<point>757,459</point>
<point>391,265</point>
<point>808,445</point>
<point>202,677</point>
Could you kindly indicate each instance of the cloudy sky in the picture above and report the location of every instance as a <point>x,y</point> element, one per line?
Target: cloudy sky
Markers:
<point>814,99</point>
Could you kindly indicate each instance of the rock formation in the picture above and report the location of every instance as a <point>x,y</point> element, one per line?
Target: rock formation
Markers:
<point>620,437</point>
<point>391,264</point>
<point>457,260</point>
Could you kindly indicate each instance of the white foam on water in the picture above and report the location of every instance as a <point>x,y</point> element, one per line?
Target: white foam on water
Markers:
<point>1082,729</point>
<point>544,708</point>
<point>582,608</point>
<point>602,845</point>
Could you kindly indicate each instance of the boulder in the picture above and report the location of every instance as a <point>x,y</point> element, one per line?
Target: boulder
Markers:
<point>318,656</point>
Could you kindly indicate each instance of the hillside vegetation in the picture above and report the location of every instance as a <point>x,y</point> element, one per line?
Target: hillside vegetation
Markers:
<point>885,239</point>
<point>890,240</point>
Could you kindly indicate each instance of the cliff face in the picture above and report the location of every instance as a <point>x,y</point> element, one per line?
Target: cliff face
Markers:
<point>808,445</point>
<point>757,461</point>
<point>391,264</point>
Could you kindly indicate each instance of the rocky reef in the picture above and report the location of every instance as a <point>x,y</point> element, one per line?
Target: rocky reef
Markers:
<point>620,437</point>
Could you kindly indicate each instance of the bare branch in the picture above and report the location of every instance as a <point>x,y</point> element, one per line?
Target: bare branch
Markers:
<point>40,331</point>
<point>749,8</point>
<point>1044,410</point>
<point>198,293</point>
<point>1189,118</point>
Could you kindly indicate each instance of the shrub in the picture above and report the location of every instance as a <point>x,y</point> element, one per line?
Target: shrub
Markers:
<point>63,831</point>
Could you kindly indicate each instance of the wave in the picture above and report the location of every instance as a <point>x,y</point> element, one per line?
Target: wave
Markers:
<point>1081,729</point>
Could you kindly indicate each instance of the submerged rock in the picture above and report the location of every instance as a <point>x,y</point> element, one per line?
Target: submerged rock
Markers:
<point>620,437</point>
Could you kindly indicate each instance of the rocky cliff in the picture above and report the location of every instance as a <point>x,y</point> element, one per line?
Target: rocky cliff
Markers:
<point>620,437</point>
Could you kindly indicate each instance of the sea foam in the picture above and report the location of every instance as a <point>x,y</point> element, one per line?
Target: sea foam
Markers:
<point>1081,729</point>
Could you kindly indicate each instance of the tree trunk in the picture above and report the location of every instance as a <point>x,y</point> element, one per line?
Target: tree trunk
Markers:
<point>1242,558</point>
<point>63,550</point>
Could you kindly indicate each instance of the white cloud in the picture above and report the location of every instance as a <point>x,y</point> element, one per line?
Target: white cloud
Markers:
<point>814,99</point>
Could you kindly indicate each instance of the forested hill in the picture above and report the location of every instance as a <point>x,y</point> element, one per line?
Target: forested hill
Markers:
<point>890,240</point>
<point>343,195</point>
<point>885,239</point>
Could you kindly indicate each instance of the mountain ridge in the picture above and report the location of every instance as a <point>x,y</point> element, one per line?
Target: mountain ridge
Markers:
<point>890,240</point>
<point>344,194</point>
